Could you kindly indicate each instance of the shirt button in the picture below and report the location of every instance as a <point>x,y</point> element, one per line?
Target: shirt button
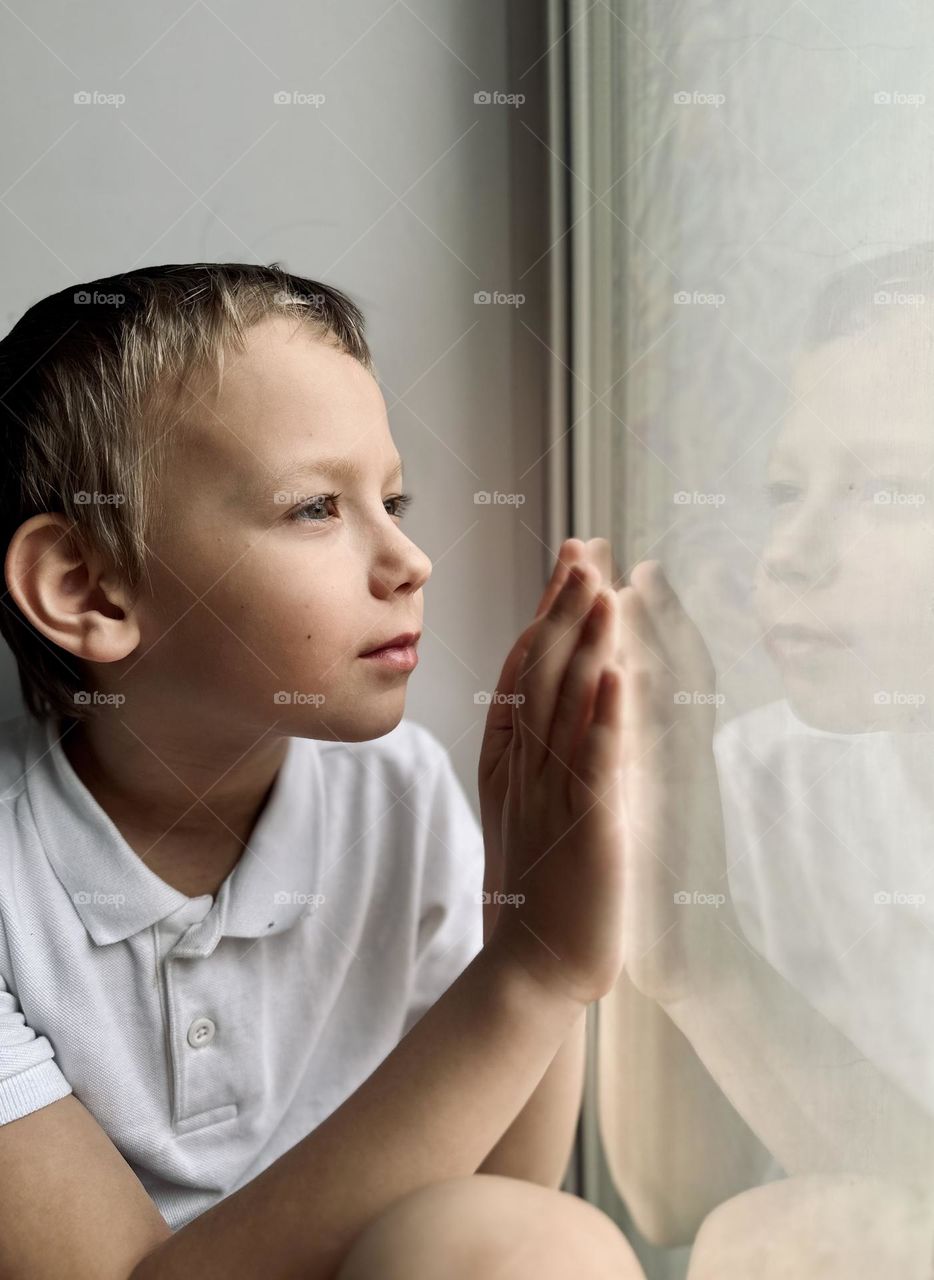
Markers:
<point>201,1032</point>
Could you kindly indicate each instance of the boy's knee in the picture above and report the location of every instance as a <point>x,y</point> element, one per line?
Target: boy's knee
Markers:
<point>821,1226</point>
<point>484,1224</point>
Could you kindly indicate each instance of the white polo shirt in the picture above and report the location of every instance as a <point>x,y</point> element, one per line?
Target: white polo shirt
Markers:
<point>207,1037</point>
<point>829,839</point>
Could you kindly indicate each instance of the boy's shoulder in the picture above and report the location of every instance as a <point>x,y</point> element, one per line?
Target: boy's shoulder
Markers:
<point>15,824</point>
<point>757,728</point>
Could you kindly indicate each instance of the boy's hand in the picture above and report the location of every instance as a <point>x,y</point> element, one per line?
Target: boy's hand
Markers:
<point>493,769</point>
<point>677,893</point>
<point>562,919</point>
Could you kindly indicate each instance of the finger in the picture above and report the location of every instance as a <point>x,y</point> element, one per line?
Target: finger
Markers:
<point>574,708</point>
<point>500,720</point>
<point>640,645</point>
<point>598,761</point>
<point>516,760</point>
<point>570,552</point>
<point>510,669</point>
<point>601,554</point>
<point>640,725</point>
<point>543,668</point>
<point>499,715</point>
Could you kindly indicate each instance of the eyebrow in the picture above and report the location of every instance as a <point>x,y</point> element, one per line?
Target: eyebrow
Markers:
<point>872,452</point>
<point>340,468</point>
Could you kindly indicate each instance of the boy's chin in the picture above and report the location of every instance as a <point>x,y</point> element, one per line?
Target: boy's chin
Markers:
<point>844,710</point>
<point>368,723</point>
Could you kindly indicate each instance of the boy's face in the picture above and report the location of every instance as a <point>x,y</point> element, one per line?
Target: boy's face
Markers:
<point>851,547</point>
<point>253,598</point>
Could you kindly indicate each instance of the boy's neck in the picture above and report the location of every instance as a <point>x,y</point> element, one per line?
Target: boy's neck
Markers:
<point>188,819</point>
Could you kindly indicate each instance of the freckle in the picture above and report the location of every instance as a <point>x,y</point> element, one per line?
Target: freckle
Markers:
<point>308,637</point>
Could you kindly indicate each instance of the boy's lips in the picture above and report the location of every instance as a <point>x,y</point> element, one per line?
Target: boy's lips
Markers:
<point>405,640</point>
<point>795,642</point>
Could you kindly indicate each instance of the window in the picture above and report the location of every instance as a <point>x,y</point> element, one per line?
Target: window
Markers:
<point>746,272</point>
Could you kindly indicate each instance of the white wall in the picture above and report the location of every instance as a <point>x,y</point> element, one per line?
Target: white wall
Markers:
<point>199,163</point>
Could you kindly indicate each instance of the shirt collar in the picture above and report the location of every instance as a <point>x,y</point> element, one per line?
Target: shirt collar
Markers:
<point>116,894</point>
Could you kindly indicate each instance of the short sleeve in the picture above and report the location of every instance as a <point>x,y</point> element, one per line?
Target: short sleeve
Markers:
<point>29,1076</point>
<point>451,912</point>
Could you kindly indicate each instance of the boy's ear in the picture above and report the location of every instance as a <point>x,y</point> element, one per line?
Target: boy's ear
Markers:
<point>66,591</point>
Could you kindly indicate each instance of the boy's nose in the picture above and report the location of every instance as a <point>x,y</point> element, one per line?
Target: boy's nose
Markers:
<point>803,550</point>
<point>405,569</point>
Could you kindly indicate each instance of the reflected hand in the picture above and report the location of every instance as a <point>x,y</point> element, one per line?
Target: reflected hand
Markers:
<point>677,891</point>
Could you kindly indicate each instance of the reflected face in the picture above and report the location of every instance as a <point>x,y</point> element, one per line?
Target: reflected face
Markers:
<point>846,580</point>
<point>274,571</point>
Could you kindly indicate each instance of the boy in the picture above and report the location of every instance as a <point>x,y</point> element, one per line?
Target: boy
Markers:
<point>224,931</point>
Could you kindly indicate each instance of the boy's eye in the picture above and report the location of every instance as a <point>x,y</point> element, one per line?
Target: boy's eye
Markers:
<point>315,510</point>
<point>401,503</point>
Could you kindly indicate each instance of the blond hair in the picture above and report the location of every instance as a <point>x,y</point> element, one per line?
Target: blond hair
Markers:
<point>88,380</point>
